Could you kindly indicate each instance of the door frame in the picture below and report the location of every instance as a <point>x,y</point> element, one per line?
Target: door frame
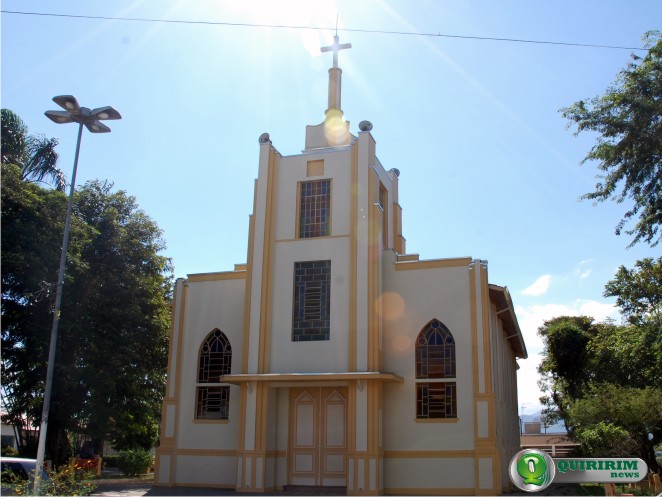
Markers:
<point>323,450</point>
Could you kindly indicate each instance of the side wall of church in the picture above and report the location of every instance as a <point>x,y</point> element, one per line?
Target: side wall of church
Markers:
<point>504,386</point>
<point>414,294</point>
<point>196,451</point>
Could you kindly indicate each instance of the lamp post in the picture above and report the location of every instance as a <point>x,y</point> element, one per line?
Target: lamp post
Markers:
<point>72,113</point>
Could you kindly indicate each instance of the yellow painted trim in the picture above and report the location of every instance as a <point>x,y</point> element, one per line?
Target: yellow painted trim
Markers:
<point>428,454</point>
<point>474,333</point>
<point>487,347</point>
<point>493,454</point>
<point>428,491</point>
<point>353,254</point>
<point>373,407</point>
<point>210,421</point>
<point>249,284</point>
<point>486,447</point>
<point>208,452</point>
<point>241,446</point>
<point>259,452</point>
<point>315,167</point>
<point>299,240</point>
<point>398,239</point>
<point>173,313</point>
<point>372,415</point>
<point>408,258</point>
<point>267,265</point>
<point>237,379</point>
<point>168,444</point>
<point>178,379</point>
<point>373,271</point>
<point>474,357</point>
<point>197,485</point>
<point>437,420</point>
<point>219,276</point>
<point>433,263</point>
<point>351,418</point>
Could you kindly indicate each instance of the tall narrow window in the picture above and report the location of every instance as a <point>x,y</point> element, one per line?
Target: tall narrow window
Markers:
<point>436,397</point>
<point>311,301</point>
<point>314,208</point>
<point>215,359</point>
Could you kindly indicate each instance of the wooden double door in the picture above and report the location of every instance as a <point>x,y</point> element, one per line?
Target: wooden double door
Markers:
<point>318,436</point>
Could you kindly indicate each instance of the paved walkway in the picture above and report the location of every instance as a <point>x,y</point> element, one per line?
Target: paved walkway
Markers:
<point>146,489</point>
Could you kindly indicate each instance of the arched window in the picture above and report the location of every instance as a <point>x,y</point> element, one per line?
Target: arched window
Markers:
<point>215,359</point>
<point>436,397</point>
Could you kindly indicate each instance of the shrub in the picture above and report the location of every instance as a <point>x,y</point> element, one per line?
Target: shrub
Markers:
<point>9,451</point>
<point>605,440</point>
<point>134,462</point>
<point>65,481</point>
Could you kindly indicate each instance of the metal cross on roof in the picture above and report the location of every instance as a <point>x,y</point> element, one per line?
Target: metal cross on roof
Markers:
<point>336,47</point>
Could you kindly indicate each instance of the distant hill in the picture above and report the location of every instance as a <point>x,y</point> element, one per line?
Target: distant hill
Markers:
<point>556,428</point>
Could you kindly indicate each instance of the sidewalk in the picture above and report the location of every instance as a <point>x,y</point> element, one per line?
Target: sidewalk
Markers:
<point>146,489</point>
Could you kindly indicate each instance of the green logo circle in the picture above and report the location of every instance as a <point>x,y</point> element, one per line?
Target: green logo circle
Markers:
<point>532,470</point>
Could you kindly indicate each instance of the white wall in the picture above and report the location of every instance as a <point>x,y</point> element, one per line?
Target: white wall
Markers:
<point>209,304</point>
<point>320,356</point>
<point>414,298</point>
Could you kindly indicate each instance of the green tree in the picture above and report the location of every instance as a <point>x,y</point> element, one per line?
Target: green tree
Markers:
<point>602,379</point>
<point>629,149</point>
<point>634,411</point>
<point>564,368</point>
<point>638,291</point>
<point>605,440</point>
<point>34,154</point>
<point>112,347</point>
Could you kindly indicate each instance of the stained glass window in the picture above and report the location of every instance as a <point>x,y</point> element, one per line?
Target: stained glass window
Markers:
<point>311,301</point>
<point>435,360</point>
<point>215,360</point>
<point>315,208</point>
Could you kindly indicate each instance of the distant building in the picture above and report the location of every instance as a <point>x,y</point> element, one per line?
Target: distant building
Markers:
<point>8,437</point>
<point>332,357</point>
<point>555,444</point>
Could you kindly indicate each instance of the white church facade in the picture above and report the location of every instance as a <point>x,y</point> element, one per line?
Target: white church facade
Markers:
<point>332,357</point>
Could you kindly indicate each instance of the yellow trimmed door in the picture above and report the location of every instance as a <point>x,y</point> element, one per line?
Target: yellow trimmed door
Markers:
<point>318,436</point>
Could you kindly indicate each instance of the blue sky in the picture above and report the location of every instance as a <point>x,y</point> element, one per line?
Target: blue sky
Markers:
<point>487,166</point>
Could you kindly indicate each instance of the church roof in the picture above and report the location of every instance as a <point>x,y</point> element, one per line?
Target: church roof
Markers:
<point>500,296</point>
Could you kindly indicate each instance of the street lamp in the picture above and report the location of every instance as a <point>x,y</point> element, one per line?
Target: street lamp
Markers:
<point>72,113</point>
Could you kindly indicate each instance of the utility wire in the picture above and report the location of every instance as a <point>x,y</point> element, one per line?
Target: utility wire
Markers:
<point>348,30</point>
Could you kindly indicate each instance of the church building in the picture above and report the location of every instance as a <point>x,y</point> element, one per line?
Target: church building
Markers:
<point>332,357</point>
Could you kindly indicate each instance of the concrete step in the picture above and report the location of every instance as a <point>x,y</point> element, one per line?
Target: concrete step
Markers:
<point>313,490</point>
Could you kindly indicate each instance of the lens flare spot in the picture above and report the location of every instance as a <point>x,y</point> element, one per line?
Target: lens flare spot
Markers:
<point>335,128</point>
<point>401,343</point>
<point>391,306</point>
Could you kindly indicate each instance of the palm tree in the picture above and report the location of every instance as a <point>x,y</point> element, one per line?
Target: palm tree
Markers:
<point>35,155</point>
